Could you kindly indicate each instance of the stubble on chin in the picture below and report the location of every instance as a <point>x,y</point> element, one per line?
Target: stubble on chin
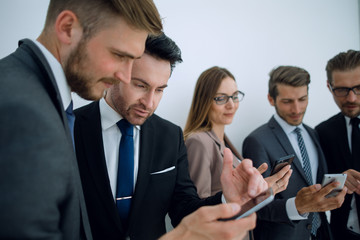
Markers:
<point>136,120</point>
<point>76,76</point>
<point>349,113</point>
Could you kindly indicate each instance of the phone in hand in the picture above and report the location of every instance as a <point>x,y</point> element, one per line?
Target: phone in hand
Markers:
<point>282,162</point>
<point>329,178</point>
<point>253,205</point>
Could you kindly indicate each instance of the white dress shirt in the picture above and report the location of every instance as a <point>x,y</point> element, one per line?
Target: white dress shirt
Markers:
<point>353,220</point>
<point>111,139</point>
<point>291,210</point>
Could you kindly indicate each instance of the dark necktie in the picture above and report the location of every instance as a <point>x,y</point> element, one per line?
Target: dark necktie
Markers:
<point>355,142</point>
<point>125,178</point>
<point>71,119</point>
<point>304,156</point>
<point>307,169</point>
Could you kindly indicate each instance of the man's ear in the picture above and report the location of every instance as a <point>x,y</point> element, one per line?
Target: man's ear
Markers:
<point>271,100</point>
<point>67,27</point>
<point>328,85</point>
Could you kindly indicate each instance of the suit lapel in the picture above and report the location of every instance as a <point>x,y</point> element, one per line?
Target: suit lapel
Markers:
<point>147,138</point>
<point>343,142</point>
<point>344,153</point>
<point>286,145</point>
<point>96,159</point>
<point>28,49</point>
<point>48,79</point>
<point>322,169</point>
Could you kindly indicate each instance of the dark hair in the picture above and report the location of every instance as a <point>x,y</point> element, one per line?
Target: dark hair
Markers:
<point>164,48</point>
<point>206,86</point>
<point>343,61</point>
<point>287,75</point>
<point>94,15</point>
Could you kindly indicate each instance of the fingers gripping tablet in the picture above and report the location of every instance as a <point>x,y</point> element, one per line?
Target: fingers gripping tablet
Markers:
<point>254,204</point>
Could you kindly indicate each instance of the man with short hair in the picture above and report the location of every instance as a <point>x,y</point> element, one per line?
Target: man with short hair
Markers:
<point>85,47</point>
<point>297,213</point>
<point>340,139</point>
<point>156,175</point>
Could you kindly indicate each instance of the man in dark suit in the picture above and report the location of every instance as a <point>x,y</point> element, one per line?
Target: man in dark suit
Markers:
<point>294,213</point>
<point>161,179</point>
<point>86,46</point>
<point>336,138</point>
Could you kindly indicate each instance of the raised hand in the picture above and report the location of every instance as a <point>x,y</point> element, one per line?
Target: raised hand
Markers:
<point>241,183</point>
<point>352,181</point>
<point>280,180</point>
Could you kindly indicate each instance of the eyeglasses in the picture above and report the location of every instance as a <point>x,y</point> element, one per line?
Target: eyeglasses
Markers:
<point>344,91</point>
<point>236,97</point>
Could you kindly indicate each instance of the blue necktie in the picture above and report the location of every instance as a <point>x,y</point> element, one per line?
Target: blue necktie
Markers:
<point>125,179</point>
<point>307,169</point>
<point>71,119</point>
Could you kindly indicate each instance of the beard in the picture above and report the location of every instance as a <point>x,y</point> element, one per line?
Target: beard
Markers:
<point>77,77</point>
<point>288,117</point>
<point>122,106</point>
<point>348,113</point>
<point>77,80</point>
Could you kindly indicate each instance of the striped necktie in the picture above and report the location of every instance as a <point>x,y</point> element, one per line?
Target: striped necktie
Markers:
<point>307,170</point>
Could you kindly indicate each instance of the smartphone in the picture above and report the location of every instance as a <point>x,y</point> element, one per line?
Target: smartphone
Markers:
<point>253,205</point>
<point>329,178</point>
<point>282,162</point>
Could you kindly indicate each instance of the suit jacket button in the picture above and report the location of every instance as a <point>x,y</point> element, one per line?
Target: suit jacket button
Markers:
<point>308,226</point>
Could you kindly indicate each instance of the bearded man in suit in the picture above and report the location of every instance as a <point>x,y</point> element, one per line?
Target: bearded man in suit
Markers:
<point>158,179</point>
<point>86,46</point>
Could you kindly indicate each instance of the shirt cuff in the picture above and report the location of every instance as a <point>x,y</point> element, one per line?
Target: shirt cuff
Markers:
<point>223,198</point>
<point>292,212</point>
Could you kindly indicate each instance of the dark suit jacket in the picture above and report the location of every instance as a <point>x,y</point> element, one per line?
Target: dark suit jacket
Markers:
<point>335,144</point>
<point>267,144</point>
<point>41,195</point>
<point>161,147</point>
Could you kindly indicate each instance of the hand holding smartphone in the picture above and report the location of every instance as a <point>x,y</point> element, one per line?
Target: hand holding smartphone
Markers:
<point>282,162</point>
<point>254,205</point>
<point>329,178</point>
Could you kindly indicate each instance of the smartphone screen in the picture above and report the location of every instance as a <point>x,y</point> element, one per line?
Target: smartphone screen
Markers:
<point>254,204</point>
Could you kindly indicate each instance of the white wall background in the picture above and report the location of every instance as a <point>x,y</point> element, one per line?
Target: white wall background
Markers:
<point>249,37</point>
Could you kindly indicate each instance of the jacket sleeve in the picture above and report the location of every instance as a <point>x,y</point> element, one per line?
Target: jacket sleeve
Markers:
<point>199,165</point>
<point>275,211</point>
<point>185,199</point>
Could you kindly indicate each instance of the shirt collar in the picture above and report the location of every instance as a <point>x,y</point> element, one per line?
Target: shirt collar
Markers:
<point>109,117</point>
<point>347,120</point>
<point>60,79</point>
<point>285,126</point>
